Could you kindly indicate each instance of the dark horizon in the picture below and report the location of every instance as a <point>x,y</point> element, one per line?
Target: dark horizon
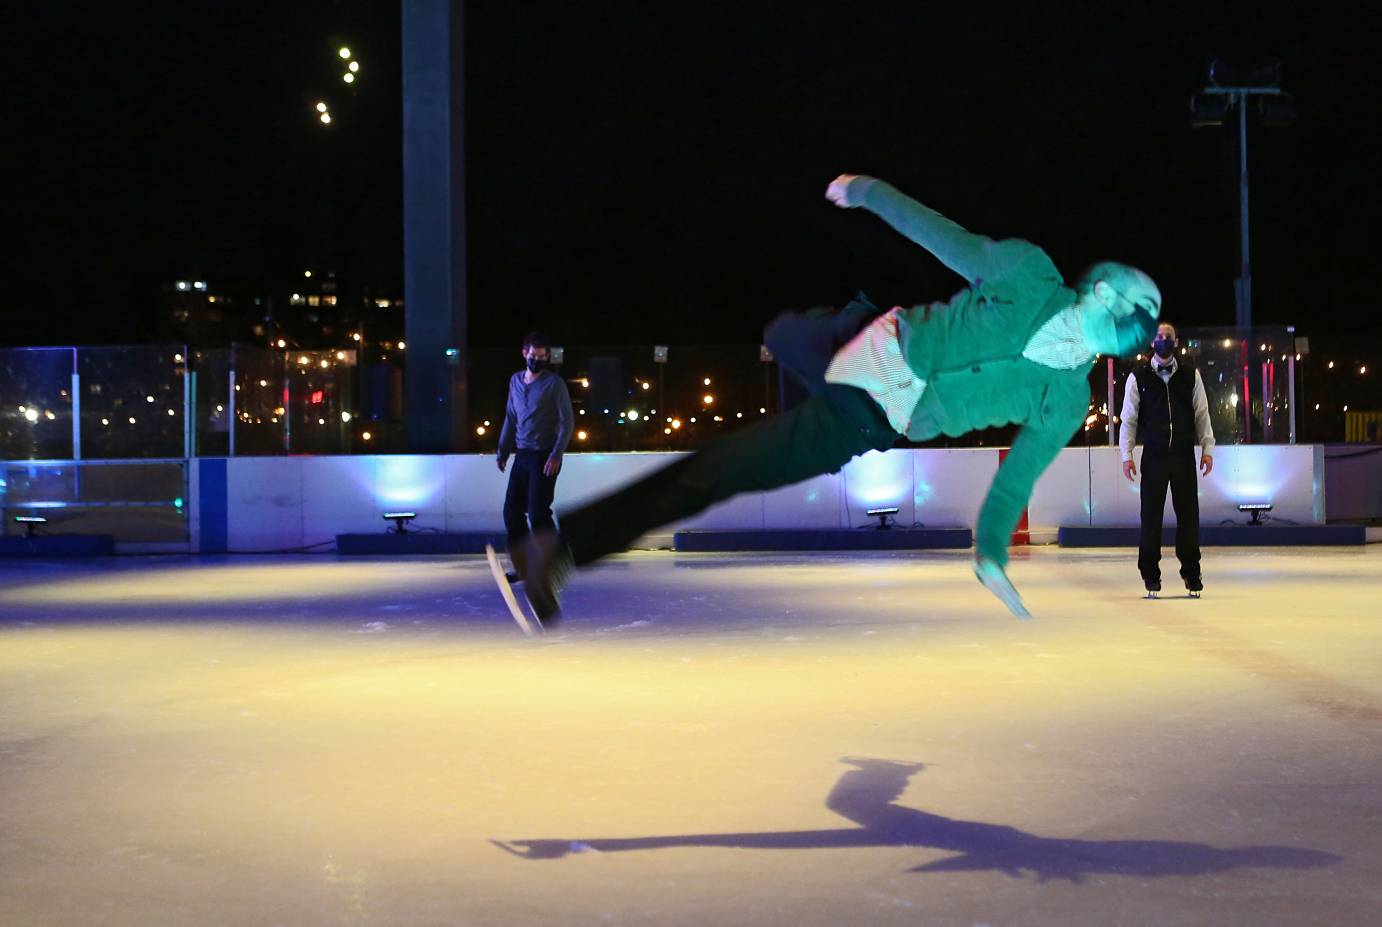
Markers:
<point>640,177</point>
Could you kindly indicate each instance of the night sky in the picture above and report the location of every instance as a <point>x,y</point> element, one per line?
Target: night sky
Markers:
<point>645,172</point>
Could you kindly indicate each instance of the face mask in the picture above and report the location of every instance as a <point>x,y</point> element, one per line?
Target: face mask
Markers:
<point>536,364</point>
<point>1163,347</point>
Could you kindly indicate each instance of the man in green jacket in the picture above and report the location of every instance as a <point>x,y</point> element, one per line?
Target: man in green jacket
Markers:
<point>1014,346</point>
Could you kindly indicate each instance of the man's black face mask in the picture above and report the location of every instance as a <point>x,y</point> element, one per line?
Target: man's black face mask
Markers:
<point>1164,347</point>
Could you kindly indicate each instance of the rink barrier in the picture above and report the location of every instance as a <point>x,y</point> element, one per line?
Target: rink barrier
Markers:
<point>846,539</point>
<point>60,545</point>
<point>1220,536</point>
<point>417,542</point>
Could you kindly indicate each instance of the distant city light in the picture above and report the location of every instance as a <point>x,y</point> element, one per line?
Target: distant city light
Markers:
<point>1331,365</point>
<point>307,273</point>
<point>706,381</point>
<point>355,66</point>
<point>707,399</point>
<point>200,285</point>
<point>325,118</point>
<point>106,421</point>
<point>345,416</point>
<point>340,355</point>
<point>131,419</point>
<point>177,359</point>
<point>762,411</point>
<point>344,52</point>
<point>355,336</point>
<point>324,364</point>
<point>171,412</point>
<point>302,359</point>
<point>349,78</point>
<point>1228,343</point>
<point>365,436</point>
<point>738,414</point>
<point>220,408</point>
<point>321,421</point>
<point>632,415</point>
<point>263,382</point>
<point>693,420</point>
<point>581,435</point>
<point>647,385</point>
<point>585,383</point>
<point>183,286</point>
<point>480,430</point>
<point>676,423</point>
<point>321,107</point>
<point>148,399</point>
<point>1363,369</point>
<point>402,345</point>
<point>666,431</point>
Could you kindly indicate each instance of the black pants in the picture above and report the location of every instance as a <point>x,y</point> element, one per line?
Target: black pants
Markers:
<point>820,435</point>
<point>529,497</point>
<point>1175,467</point>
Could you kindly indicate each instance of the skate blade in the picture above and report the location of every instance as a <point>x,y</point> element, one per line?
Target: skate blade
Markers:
<point>506,591</point>
<point>1152,595</point>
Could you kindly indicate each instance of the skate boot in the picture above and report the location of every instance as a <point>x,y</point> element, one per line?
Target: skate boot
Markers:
<point>1194,586</point>
<point>549,566</point>
<point>1153,588</point>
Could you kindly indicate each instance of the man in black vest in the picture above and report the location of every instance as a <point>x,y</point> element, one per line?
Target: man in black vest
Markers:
<point>1164,404</point>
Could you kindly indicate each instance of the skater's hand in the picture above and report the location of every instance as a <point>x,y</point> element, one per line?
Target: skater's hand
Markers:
<point>997,582</point>
<point>500,461</point>
<point>836,191</point>
<point>552,467</point>
<point>1129,469</point>
<point>1206,464</point>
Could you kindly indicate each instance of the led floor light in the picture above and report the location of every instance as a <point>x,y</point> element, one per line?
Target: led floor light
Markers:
<point>400,520</point>
<point>884,522</point>
<point>30,523</point>
<point>1256,509</point>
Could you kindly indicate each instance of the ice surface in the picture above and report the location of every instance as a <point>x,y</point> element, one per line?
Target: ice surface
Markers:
<point>706,739</point>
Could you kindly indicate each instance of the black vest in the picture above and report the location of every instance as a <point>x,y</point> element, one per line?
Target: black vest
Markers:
<point>1166,409</point>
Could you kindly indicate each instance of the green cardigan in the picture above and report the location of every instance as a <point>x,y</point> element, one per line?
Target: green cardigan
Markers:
<point>969,352</point>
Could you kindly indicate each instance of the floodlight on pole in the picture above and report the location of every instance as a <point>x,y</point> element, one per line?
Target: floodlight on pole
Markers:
<point>1231,88</point>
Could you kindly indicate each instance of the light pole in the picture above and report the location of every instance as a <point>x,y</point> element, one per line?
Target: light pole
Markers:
<point>1230,88</point>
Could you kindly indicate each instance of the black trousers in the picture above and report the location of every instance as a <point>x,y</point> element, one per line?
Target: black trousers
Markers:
<point>528,502</point>
<point>1176,468</point>
<point>820,435</point>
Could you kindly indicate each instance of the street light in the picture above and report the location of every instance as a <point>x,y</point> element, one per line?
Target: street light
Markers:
<point>1230,88</point>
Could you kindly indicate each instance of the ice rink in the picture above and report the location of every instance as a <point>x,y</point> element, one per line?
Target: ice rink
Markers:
<point>803,739</point>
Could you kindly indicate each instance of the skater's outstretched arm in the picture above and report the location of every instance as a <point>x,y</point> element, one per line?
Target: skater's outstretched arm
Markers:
<point>972,256</point>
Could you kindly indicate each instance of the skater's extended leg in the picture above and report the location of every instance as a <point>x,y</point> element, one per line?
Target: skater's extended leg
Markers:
<point>818,436</point>
<point>803,343</point>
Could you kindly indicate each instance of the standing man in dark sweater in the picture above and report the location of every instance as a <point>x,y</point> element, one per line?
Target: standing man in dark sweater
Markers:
<point>537,425</point>
<point>1164,404</point>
